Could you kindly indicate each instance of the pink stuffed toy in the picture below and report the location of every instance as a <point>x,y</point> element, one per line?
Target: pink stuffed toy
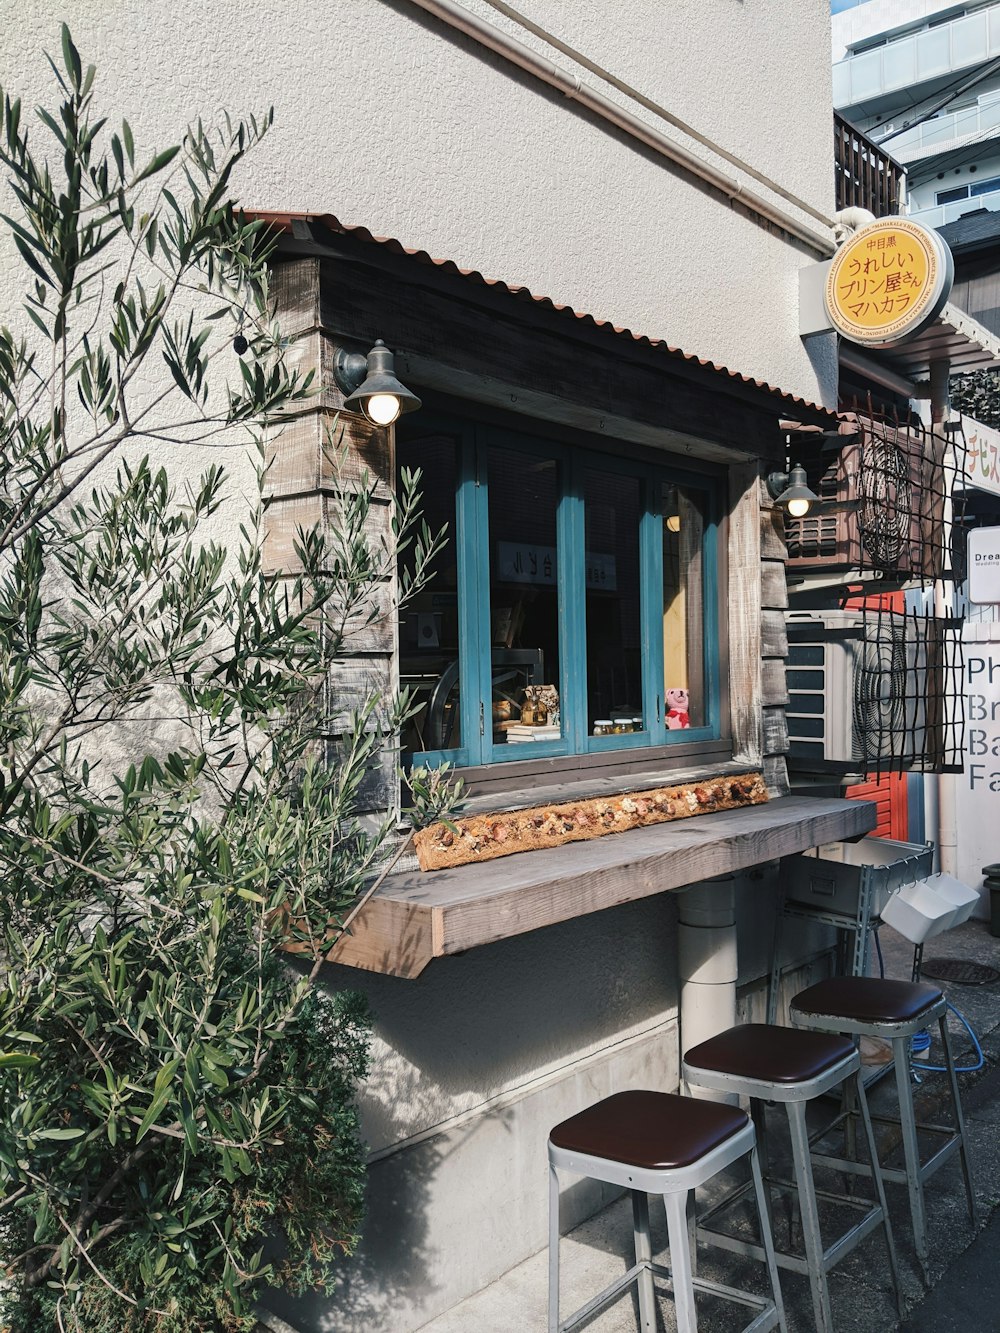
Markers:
<point>677,710</point>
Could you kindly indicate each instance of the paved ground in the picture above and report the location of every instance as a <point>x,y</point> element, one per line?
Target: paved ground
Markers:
<point>965,1276</point>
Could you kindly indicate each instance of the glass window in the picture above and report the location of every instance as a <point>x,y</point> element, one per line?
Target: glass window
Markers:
<point>523,496</point>
<point>574,608</point>
<point>684,683</point>
<point>612,508</point>
<point>949,196</point>
<point>429,638</point>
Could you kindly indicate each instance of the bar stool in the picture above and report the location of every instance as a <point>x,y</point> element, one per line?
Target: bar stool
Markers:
<point>895,1010</point>
<point>658,1143</point>
<point>772,1064</point>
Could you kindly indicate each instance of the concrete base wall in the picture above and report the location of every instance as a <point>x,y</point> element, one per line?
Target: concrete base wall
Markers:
<point>479,1058</point>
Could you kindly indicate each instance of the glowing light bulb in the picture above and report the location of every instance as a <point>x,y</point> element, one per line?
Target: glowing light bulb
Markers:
<point>673,522</point>
<point>798,508</point>
<point>382,408</point>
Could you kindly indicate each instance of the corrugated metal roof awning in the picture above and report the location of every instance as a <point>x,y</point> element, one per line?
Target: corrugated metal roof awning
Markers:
<point>294,225</point>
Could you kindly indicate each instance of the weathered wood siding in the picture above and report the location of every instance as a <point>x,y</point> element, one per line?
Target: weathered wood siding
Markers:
<point>317,456</point>
<point>774,645</point>
<point>742,592</point>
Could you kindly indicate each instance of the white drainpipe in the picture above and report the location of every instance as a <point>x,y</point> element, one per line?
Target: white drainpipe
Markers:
<point>707,964</point>
<point>495,39</point>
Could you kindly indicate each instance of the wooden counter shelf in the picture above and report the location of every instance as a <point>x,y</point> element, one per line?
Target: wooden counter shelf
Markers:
<point>418,916</point>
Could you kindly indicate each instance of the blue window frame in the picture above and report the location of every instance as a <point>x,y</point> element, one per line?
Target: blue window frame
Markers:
<point>567,567</point>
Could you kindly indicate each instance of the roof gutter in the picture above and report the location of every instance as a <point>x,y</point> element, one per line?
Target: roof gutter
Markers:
<point>853,359</point>
<point>532,63</point>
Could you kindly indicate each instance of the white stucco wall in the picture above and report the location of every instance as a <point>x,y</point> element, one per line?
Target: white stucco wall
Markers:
<point>386,120</point>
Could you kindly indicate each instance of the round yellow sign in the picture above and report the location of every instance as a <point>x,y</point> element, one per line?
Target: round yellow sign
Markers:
<point>888,282</point>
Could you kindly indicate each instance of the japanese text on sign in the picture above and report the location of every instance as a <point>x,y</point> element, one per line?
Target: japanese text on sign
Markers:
<point>887,281</point>
<point>523,562</point>
<point>982,456</point>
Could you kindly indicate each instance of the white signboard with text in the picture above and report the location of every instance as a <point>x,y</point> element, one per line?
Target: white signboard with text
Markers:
<point>982,456</point>
<point>977,790</point>
<point>983,585</point>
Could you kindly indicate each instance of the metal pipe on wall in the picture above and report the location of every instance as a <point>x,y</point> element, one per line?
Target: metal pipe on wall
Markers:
<point>531,62</point>
<point>707,964</point>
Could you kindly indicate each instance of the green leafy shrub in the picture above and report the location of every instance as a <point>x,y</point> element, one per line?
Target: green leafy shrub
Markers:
<point>178,1124</point>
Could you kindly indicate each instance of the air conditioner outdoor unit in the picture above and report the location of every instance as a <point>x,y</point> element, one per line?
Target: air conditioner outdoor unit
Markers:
<point>889,490</point>
<point>861,697</point>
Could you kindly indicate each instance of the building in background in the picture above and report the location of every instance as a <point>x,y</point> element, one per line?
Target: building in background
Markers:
<point>916,87</point>
<point>921,79</point>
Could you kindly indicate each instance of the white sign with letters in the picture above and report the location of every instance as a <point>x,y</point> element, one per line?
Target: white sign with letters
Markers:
<point>977,789</point>
<point>982,455</point>
<point>984,565</point>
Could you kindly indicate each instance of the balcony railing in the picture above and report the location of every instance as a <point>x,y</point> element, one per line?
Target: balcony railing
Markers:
<point>865,176</point>
<point>947,131</point>
<point>938,215</point>
<point>931,54</point>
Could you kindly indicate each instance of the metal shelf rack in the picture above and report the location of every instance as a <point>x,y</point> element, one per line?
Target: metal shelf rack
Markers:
<point>849,894</point>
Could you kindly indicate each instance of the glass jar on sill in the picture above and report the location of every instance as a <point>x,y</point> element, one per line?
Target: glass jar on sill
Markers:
<point>637,724</point>
<point>533,714</point>
<point>619,725</point>
<point>602,726</point>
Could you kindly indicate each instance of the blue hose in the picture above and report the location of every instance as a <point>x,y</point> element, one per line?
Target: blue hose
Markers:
<point>959,1069</point>
<point>922,1040</point>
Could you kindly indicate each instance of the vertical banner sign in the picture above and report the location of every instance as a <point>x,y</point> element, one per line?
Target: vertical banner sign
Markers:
<point>982,456</point>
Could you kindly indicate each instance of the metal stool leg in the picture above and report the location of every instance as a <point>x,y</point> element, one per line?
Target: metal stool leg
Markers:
<point>764,1221</point>
<point>758,1114</point>
<point>879,1186</point>
<point>553,1250</point>
<point>911,1151</point>
<point>809,1210</point>
<point>959,1117</point>
<point>691,1212</point>
<point>644,1254</point>
<point>680,1262</point>
<point>809,1214</point>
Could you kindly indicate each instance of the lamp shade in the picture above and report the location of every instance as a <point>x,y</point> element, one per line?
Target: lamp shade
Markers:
<point>380,396</point>
<point>791,491</point>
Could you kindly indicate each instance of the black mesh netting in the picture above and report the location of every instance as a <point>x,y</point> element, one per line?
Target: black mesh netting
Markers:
<point>890,504</point>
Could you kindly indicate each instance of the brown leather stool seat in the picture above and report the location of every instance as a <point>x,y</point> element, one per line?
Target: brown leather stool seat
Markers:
<point>870,999</point>
<point>775,1055</point>
<point>662,1144</point>
<point>774,1065</point>
<point>657,1131</point>
<point>893,1011</point>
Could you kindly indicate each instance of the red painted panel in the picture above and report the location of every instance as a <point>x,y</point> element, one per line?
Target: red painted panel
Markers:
<point>889,795</point>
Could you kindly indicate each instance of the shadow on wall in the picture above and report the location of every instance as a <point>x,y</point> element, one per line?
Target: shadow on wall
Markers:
<point>476,1025</point>
<point>393,1267</point>
<point>467,1030</point>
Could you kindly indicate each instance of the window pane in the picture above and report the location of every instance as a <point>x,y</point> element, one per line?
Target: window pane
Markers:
<point>614,631</point>
<point>683,608</point>
<point>428,632</point>
<point>524,598</point>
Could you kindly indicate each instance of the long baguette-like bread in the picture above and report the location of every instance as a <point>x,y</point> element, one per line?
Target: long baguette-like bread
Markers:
<point>483,837</point>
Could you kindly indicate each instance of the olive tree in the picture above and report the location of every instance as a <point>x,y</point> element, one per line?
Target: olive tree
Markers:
<point>178,1127</point>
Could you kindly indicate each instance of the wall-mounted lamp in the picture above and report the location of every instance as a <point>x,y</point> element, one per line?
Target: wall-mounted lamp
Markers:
<point>370,385</point>
<point>791,491</point>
